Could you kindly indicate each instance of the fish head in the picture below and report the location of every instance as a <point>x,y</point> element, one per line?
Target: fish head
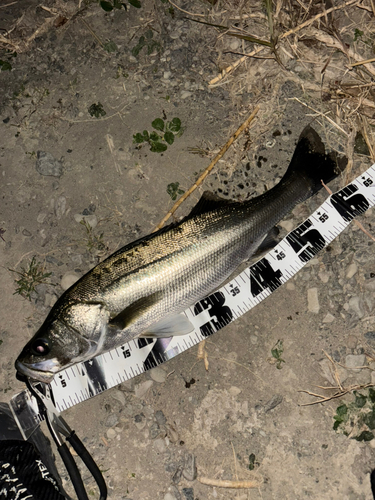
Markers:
<point>53,348</point>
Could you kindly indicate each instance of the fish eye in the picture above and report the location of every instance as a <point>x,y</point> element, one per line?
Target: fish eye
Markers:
<point>41,347</point>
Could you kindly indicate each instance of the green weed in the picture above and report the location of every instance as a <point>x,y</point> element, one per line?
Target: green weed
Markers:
<point>5,65</point>
<point>357,419</point>
<point>117,4</point>
<point>97,110</point>
<point>159,142</point>
<point>173,190</point>
<point>29,278</point>
<point>277,352</point>
<point>93,241</point>
<point>146,41</point>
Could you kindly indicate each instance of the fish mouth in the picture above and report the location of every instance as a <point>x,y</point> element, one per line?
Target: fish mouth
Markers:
<point>33,372</point>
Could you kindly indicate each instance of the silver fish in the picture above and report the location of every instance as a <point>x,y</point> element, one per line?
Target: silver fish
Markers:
<point>143,288</point>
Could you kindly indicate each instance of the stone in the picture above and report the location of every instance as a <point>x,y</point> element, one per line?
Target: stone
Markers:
<point>118,396</point>
<point>351,270</point>
<point>313,300</point>
<point>276,400</point>
<point>328,318</point>
<point>234,391</point>
<point>111,433</point>
<point>327,371</point>
<point>169,496</point>
<point>352,342</point>
<point>188,493</point>
<point>111,420</point>
<point>141,389</point>
<point>154,430</point>
<point>69,279</point>
<point>356,305</point>
<point>160,417</point>
<point>190,469</point>
<point>185,94</point>
<point>46,164</point>
<point>158,374</point>
<point>160,446</point>
<point>355,361</point>
<point>288,225</point>
<point>60,206</point>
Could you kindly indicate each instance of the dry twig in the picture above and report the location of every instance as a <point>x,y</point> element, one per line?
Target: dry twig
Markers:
<point>221,153</point>
<point>220,483</point>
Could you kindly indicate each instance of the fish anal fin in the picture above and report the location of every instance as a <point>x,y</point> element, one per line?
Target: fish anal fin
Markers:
<point>131,313</point>
<point>269,242</point>
<point>170,326</point>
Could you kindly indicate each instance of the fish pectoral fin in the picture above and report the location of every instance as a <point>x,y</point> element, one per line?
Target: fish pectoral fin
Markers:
<point>171,326</point>
<point>131,313</point>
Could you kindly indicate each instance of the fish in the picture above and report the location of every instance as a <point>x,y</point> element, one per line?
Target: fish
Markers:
<point>143,288</point>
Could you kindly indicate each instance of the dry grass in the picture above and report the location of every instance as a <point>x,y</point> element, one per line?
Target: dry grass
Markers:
<point>326,48</point>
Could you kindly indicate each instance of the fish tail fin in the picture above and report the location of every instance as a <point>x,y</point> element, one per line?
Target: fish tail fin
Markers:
<point>311,161</point>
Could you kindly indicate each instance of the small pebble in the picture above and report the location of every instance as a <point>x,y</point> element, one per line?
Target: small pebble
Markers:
<point>111,420</point>
<point>46,164</point>
<point>356,305</point>
<point>185,94</point>
<point>370,337</point>
<point>60,206</point>
<point>160,446</point>
<point>328,318</point>
<point>324,277</point>
<point>158,374</point>
<point>69,279</point>
<point>190,469</point>
<point>160,417</point>
<point>354,361</point>
<point>41,217</point>
<point>351,270</point>
<point>188,493</point>
<point>288,225</point>
<point>276,400</point>
<point>328,372</point>
<point>141,389</point>
<point>118,396</point>
<point>312,300</point>
<point>352,342</point>
<point>111,433</point>
<point>234,391</point>
<point>290,286</point>
<point>172,434</point>
<point>154,430</point>
<point>169,496</point>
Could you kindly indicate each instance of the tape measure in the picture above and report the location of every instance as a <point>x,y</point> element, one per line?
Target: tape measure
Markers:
<point>85,380</point>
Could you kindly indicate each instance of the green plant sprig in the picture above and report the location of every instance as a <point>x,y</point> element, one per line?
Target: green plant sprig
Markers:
<point>159,142</point>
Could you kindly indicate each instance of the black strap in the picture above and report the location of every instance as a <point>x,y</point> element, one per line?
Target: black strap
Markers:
<point>24,475</point>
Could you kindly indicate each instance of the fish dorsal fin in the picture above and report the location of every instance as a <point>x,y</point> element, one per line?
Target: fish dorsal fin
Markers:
<point>208,202</point>
<point>131,313</point>
<point>171,326</point>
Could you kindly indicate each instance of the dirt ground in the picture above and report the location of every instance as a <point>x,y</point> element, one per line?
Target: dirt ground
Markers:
<point>157,435</point>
